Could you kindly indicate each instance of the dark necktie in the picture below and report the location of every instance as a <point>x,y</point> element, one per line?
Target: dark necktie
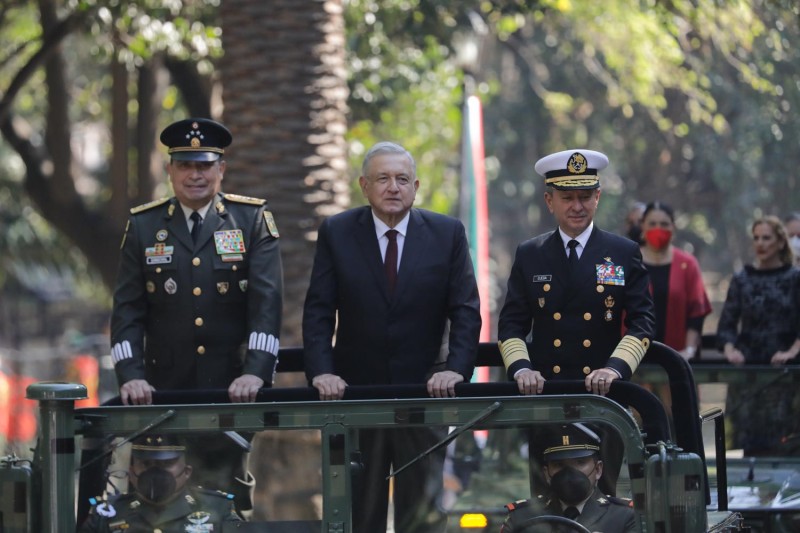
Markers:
<point>573,254</point>
<point>390,261</point>
<point>571,512</point>
<point>198,223</point>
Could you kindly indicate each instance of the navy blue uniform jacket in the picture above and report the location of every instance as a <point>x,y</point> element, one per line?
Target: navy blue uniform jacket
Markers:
<point>575,321</point>
<point>381,340</point>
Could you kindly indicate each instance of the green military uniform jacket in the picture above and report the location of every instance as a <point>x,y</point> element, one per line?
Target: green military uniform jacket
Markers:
<point>604,514</point>
<point>197,316</point>
<point>195,510</point>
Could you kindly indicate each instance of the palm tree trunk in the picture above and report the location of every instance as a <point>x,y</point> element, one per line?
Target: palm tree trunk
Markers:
<point>285,96</point>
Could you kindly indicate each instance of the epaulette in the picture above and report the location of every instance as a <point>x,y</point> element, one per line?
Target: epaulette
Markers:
<point>244,199</point>
<point>213,492</point>
<point>519,504</point>
<point>149,205</point>
<point>626,502</point>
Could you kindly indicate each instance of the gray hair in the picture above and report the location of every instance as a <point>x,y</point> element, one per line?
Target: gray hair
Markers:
<point>386,147</point>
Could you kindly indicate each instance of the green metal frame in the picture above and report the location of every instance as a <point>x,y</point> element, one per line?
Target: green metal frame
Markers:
<point>338,423</point>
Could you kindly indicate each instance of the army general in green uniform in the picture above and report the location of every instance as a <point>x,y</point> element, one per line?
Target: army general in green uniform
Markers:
<point>161,499</point>
<point>198,299</point>
<point>199,293</point>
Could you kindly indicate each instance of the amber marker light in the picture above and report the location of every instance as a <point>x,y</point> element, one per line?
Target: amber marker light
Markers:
<point>473,521</point>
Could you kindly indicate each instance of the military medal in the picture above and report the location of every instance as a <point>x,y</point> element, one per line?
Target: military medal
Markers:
<point>222,287</point>
<point>609,302</point>
<point>229,245</point>
<point>106,509</point>
<point>243,285</point>
<point>159,253</point>
<point>610,274</point>
<point>199,522</point>
<point>170,286</point>
<point>161,235</point>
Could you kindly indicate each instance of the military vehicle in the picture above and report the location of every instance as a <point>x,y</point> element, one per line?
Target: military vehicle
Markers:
<point>665,471</point>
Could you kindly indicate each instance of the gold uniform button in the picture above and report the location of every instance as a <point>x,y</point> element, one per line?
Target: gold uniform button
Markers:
<point>600,288</point>
<point>587,343</point>
<point>557,343</point>
<point>196,261</point>
<point>197,291</point>
<point>586,370</point>
<point>201,350</point>
<point>556,369</point>
<point>546,287</point>
<point>198,321</point>
<point>556,316</point>
<point>234,268</point>
<point>587,316</point>
<point>158,270</point>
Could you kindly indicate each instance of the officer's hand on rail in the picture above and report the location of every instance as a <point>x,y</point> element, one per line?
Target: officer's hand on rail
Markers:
<point>245,388</point>
<point>330,386</point>
<point>529,381</point>
<point>599,381</point>
<point>443,384</point>
<point>136,392</point>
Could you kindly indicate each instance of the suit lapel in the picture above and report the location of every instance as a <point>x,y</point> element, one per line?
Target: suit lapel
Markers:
<point>557,261</point>
<point>592,511</point>
<point>592,254</point>
<point>215,219</point>
<point>416,242</point>
<point>367,242</point>
<point>176,225</point>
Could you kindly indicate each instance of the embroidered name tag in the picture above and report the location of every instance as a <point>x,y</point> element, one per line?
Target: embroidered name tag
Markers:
<point>610,274</point>
<point>542,278</point>
<point>159,259</point>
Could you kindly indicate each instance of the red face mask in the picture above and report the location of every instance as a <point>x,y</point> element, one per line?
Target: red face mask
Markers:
<point>658,238</point>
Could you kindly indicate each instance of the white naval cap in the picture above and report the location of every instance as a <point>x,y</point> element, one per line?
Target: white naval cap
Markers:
<point>572,169</point>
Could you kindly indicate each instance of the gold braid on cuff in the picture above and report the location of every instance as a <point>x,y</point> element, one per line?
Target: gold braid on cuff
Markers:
<point>631,350</point>
<point>513,350</point>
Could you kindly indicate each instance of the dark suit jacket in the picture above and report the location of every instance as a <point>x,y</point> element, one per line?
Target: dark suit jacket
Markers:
<point>605,514</point>
<point>576,320</point>
<point>390,340</point>
<point>190,315</point>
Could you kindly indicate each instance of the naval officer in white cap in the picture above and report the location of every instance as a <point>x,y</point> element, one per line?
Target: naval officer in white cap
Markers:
<point>572,290</point>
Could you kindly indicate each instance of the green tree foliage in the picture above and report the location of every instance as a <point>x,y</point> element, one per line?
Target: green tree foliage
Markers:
<point>694,101</point>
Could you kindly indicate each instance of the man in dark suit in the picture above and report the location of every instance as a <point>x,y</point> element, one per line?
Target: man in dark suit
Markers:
<point>386,280</point>
<point>199,292</point>
<point>572,467</point>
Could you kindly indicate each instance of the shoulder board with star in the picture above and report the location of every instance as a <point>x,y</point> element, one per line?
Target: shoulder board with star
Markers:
<point>604,500</point>
<point>149,205</point>
<point>215,493</point>
<point>244,199</point>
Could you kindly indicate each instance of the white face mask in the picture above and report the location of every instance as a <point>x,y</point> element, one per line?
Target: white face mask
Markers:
<point>794,243</point>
